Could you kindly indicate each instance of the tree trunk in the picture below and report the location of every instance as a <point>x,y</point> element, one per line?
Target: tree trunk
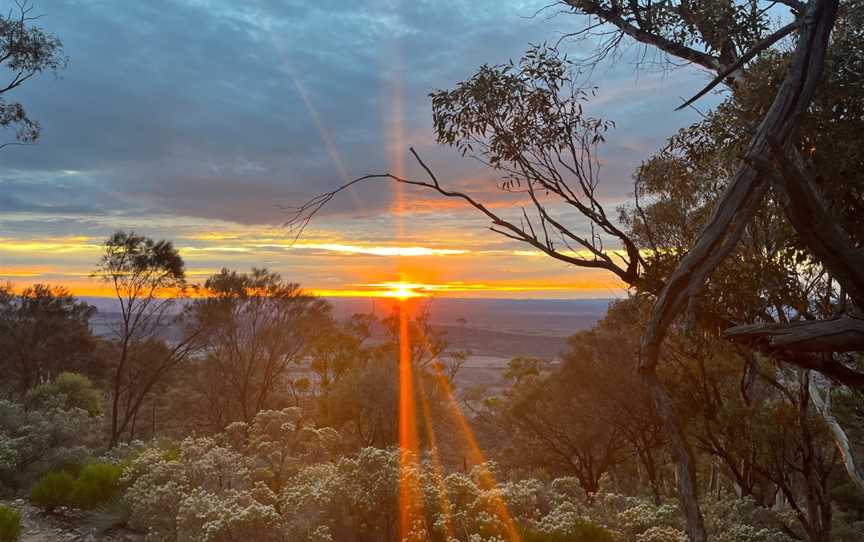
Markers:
<point>823,407</point>
<point>685,463</point>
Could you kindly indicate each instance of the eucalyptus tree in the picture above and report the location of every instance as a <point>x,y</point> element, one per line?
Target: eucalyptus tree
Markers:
<point>150,339</point>
<point>26,50</point>
<point>255,327</point>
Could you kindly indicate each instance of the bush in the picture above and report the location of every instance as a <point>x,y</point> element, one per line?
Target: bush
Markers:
<point>97,484</point>
<point>578,530</point>
<point>67,391</point>
<point>10,524</point>
<point>54,489</point>
<point>35,441</point>
<point>595,534</point>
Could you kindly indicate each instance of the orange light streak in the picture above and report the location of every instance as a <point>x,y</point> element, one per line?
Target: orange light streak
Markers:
<point>477,457</point>
<point>410,497</point>
<point>443,500</point>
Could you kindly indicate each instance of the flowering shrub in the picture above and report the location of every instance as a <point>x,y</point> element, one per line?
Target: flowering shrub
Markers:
<point>34,441</point>
<point>224,487</point>
<point>231,515</point>
<point>158,482</point>
<point>749,533</point>
<point>737,519</point>
<point>638,519</point>
<point>274,479</point>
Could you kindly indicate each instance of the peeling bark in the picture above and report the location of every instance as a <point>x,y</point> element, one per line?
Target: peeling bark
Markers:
<point>844,334</point>
<point>823,407</point>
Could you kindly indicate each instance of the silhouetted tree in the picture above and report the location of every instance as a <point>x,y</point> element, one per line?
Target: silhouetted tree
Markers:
<point>147,278</point>
<point>256,327</point>
<point>44,331</point>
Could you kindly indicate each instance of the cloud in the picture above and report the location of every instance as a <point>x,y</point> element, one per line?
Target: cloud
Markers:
<point>182,119</point>
<point>220,110</point>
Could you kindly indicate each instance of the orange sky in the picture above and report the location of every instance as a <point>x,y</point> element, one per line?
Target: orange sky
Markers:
<point>330,266</point>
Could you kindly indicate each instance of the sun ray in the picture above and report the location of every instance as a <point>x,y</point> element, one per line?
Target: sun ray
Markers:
<point>443,499</point>
<point>478,459</point>
<point>410,496</point>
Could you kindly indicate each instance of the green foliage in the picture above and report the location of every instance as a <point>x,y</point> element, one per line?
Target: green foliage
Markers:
<point>26,50</point>
<point>34,441</point>
<point>53,490</point>
<point>581,530</point>
<point>67,391</point>
<point>507,112</point>
<point>10,524</point>
<point>97,484</point>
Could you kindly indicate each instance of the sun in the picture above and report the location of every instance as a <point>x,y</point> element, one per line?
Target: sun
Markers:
<point>402,290</point>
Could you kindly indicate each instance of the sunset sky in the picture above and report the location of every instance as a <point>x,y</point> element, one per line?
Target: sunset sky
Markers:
<point>198,120</point>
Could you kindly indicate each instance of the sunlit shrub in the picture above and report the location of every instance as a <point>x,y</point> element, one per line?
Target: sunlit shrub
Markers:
<point>156,487</point>
<point>97,483</point>
<point>10,524</point>
<point>233,515</point>
<point>566,522</point>
<point>53,490</point>
<point>227,486</point>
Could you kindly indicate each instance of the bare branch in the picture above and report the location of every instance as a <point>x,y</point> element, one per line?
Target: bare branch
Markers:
<point>845,334</point>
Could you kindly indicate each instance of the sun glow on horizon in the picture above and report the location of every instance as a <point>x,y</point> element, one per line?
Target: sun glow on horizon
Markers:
<point>403,292</point>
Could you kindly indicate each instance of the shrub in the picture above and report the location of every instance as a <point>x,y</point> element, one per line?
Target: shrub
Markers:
<point>10,524</point>
<point>53,490</point>
<point>661,534</point>
<point>97,484</point>
<point>234,515</point>
<point>551,529</point>
<point>34,441</point>
<point>66,391</point>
